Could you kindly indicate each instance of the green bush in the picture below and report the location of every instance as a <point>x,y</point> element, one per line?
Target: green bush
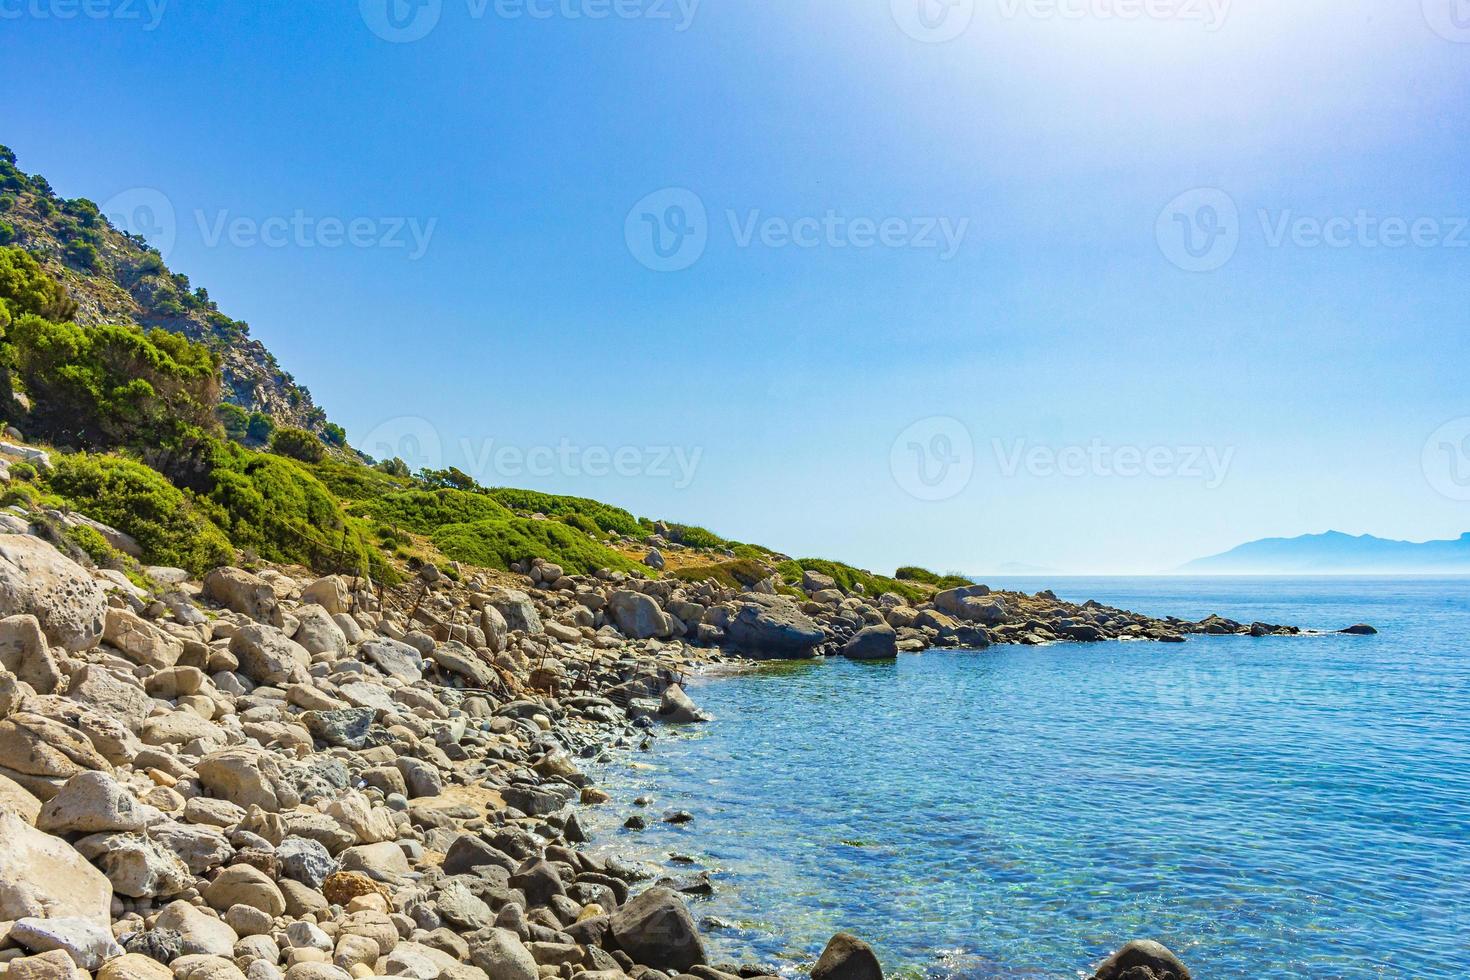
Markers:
<point>139,501</point>
<point>83,254</point>
<point>235,420</point>
<point>354,481</point>
<point>7,233</point>
<point>912,573</point>
<point>260,427</point>
<point>298,444</point>
<point>498,542</point>
<point>848,578</point>
<point>27,288</point>
<point>113,386</point>
<point>91,541</point>
<point>334,434</point>
<point>276,508</point>
<point>698,537</point>
<point>426,511</point>
<point>606,517</point>
<point>739,574</point>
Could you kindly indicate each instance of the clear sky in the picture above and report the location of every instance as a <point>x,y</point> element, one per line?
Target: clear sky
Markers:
<point>921,290</point>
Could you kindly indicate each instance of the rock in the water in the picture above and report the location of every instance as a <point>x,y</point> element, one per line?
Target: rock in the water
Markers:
<point>872,643</point>
<point>45,876</point>
<point>847,958</point>
<point>772,626</point>
<point>656,930</point>
<point>37,579</point>
<point>1143,959</point>
<point>677,708</point>
<point>1361,629</point>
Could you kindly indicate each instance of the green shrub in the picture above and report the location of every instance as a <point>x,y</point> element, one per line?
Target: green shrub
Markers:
<point>698,537</point>
<point>235,420</point>
<point>276,508</point>
<point>426,511</point>
<point>91,541</point>
<point>606,517</point>
<point>27,288</point>
<point>498,542</point>
<point>260,427</point>
<point>298,444</point>
<point>139,501</point>
<point>739,574</point>
<point>912,573</point>
<point>848,578</point>
<point>113,386</point>
<point>393,467</point>
<point>334,434</point>
<point>83,254</point>
<point>354,481</point>
<point>7,233</point>
<point>21,470</point>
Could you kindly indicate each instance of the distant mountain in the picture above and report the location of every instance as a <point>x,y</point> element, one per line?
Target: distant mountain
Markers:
<point>1335,553</point>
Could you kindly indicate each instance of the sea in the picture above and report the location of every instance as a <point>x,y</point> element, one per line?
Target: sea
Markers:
<point>1265,807</point>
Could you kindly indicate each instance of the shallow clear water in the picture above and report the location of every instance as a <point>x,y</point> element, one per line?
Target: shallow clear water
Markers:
<point>1277,807</point>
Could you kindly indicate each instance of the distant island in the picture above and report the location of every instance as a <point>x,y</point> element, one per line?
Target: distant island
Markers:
<point>1335,553</point>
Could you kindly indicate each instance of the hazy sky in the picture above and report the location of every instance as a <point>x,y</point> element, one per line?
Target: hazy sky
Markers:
<point>1099,285</point>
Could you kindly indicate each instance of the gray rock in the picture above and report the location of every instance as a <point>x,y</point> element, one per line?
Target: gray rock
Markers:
<point>393,658</point>
<point>656,930</point>
<point>38,580</point>
<point>677,708</point>
<point>501,954</point>
<point>637,616</point>
<point>772,626</point>
<point>872,643</point>
<point>1143,959</point>
<point>87,942</point>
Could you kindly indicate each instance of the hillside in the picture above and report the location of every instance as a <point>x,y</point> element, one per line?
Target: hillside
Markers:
<point>115,277</point>
<point>1335,553</point>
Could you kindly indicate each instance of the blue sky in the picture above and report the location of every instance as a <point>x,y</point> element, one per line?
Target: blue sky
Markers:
<point>935,302</point>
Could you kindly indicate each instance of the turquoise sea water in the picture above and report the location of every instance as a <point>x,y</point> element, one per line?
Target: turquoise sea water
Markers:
<point>1277,807</point>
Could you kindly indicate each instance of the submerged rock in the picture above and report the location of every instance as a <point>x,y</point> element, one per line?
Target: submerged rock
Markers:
<point>1143,959</point>
<point>847,958</point>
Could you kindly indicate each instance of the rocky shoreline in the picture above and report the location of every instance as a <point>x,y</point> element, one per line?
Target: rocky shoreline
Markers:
<point>271,774</point>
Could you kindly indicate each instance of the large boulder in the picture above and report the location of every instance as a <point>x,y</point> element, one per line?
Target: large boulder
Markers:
<point>41,754</point>
<point>37,579</point>
<point>331,593</point>
<point>45,876</point>
<point>1143,959</point>
<point>638,616</point>
<point>19,800</point>
<point>517,609</point>
<point>772,626</point>
<point>847,958</point>
<point>873,643</point>
<point>501,954</point>
<point>248,777</point>
<point>656,930</point>
<point>136,865</point>
<point>141,641</point>
<point>249,595</point>
<point>89,943</point>
<point>393,658</point>
<point>268,656</point>
<point>93,802</point>
<point>26,654</point>
<point>972,604</point>
<point>678,708</point>
<point>318,632</point>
